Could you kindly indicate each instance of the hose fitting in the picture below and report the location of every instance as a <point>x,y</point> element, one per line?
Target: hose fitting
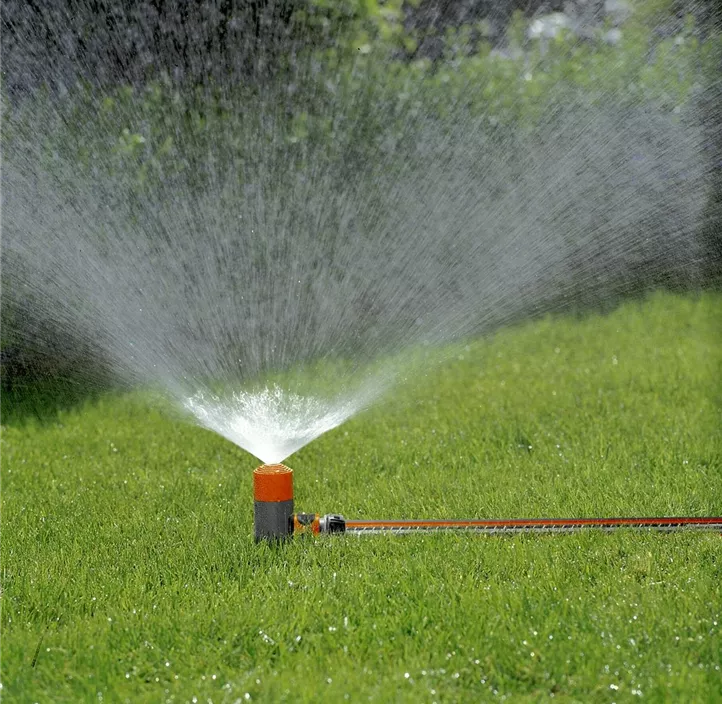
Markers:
<point>316,524</point>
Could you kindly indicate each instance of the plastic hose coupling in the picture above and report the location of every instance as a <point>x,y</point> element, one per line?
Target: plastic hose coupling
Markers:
<point>314,523</point>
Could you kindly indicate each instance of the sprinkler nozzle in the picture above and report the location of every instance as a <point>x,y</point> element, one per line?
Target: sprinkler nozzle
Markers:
<point>273,502</point>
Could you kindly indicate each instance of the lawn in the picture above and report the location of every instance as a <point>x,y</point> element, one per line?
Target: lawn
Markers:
<point>130,573</point>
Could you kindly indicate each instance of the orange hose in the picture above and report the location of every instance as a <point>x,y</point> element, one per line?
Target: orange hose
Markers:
<point>537,524</point>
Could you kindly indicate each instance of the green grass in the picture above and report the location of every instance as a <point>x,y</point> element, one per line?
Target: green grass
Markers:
<point>130,574</point>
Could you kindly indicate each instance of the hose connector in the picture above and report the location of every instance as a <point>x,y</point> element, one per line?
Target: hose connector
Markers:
<point>316,524</point>
<point>332,523</point>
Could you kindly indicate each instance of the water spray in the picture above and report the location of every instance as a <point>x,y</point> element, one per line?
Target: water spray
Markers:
<point>275,519</point>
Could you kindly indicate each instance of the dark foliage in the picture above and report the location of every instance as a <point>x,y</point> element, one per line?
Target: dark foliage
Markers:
<point>104,42</point>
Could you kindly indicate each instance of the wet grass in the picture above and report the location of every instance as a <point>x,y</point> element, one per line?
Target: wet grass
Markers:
<point>129,572</point>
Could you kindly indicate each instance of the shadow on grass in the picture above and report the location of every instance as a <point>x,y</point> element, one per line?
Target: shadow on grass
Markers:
<point>27,396</point>
<point>33,400</point>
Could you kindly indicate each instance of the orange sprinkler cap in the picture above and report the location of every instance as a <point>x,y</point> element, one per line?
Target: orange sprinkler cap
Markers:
<point>273,482</point>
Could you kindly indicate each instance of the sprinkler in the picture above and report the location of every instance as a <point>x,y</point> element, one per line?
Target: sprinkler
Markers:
<point>273,516</point>
<point>276,520</point>
<point>273,502</point>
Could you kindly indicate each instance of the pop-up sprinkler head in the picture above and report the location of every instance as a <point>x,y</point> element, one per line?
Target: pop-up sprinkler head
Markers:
<point>273,502</point>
